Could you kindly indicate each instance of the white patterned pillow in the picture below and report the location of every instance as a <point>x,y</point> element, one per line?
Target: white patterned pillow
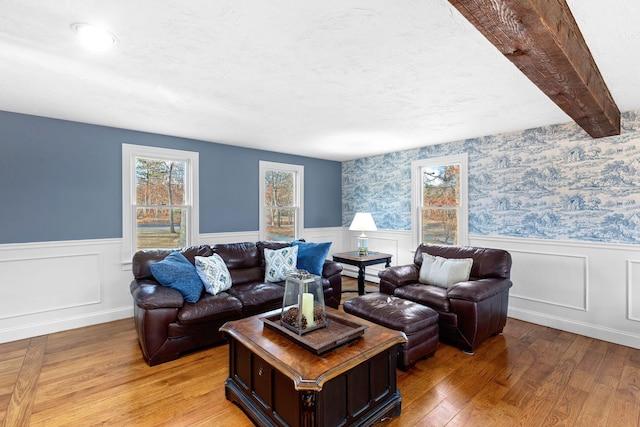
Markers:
<point>444,272</point>
<point>214,273</point>
<point>279,263</point>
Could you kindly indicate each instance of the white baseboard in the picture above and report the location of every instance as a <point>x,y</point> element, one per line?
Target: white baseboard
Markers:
<point>573,326</point>
<point>62,324</point>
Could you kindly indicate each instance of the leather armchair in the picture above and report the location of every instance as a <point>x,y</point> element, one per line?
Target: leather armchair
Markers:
<point>470,311</point>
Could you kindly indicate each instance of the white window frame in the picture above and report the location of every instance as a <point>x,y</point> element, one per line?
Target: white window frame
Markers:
<point>416,194</point>
<point>298,171</point>
<point>191,199</point>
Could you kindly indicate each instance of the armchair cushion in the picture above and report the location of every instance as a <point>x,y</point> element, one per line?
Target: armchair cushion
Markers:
<point>176,272</point>
<point>444,272</point>
<point>431,296</point>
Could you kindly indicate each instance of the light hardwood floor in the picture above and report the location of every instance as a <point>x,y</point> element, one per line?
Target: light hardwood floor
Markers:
<point>529,376</point>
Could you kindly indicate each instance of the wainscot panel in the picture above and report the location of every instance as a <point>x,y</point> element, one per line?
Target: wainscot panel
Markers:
<point>48,287</point>
<point>35,287</point>
<point>564,282</point>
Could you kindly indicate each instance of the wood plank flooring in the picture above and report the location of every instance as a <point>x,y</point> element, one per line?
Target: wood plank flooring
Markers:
<point>529,376</point>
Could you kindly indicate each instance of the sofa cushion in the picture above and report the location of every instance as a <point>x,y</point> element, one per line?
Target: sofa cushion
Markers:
<point>279,263</point>
<point>444,272</point>
<point>311,256</point>
<point>210,307</point>
<point>238,256</point>
<point>214,273</point>
<point>254,296</point>
<point>144,258</point>
<point>429,295</point>
<point>176,272</point>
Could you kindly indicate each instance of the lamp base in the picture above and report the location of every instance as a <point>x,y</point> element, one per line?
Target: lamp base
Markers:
<point>363,245</point>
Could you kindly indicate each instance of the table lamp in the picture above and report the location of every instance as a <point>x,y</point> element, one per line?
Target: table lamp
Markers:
<point>363,221</point>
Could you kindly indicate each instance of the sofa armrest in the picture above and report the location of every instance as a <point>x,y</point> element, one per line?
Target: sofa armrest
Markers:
<point>331,268</point>
<point>332,272</point>
<point>478,290</point>
<point>149,294</point>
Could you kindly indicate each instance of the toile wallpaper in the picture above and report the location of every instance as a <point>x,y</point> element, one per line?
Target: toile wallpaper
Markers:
<point>553,182</point>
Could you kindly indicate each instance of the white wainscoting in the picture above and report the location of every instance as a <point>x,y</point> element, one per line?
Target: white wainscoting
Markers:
<point>590,289</point>
<point>585,288</point>
<point>54,286</point>
<point>48,287</point>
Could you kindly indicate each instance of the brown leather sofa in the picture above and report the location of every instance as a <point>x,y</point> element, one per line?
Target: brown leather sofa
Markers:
<point>470,311</point>
<point>167,326</point>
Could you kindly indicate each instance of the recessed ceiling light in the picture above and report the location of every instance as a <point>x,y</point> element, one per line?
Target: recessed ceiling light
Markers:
<point>93,37</point>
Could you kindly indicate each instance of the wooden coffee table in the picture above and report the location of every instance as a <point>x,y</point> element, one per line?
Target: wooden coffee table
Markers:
<point>277,382</point>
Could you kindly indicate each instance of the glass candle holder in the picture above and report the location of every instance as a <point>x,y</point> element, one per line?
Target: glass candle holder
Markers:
<point>303,308</point>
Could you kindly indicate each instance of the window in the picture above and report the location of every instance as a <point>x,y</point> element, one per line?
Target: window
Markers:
<point>281,201</point>
<point>160,198</point>
<point>439,200</point>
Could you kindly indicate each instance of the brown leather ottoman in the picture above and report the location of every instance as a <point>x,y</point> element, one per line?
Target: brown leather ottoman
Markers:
<point>418,322</point>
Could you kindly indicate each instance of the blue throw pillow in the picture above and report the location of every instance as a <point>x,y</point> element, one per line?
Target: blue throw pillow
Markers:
<point>176,272</point>
<point>311,256</point>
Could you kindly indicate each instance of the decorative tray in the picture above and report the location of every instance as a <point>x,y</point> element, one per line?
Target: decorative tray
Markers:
<point>339,331</point>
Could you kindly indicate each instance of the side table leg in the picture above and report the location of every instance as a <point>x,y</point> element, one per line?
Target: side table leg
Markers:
<point>360,279</point>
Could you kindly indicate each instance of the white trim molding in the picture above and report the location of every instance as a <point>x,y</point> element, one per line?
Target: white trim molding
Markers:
<point>633,290</point>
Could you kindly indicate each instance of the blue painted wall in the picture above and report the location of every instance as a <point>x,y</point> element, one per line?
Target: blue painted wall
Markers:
<point>553,182</point>
<point>62,180</point>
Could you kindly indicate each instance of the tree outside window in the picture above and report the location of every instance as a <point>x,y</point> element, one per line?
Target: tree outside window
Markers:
<point>440,204</point>
<point>160,210</point>
<point>281,200</point>
<point>439,188</point>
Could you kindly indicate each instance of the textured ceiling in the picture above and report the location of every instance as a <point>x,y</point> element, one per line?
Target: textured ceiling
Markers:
<point>328,79</point>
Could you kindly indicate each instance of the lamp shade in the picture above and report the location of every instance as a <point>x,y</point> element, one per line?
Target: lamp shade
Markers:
<point>363,221</point>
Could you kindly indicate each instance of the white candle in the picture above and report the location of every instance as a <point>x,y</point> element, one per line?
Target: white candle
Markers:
<point>307,308</point>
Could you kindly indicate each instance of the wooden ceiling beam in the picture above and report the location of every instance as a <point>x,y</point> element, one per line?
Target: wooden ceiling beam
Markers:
<point>542,38</point>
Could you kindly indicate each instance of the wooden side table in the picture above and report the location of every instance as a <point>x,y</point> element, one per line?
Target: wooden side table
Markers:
<point>353,258</point>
